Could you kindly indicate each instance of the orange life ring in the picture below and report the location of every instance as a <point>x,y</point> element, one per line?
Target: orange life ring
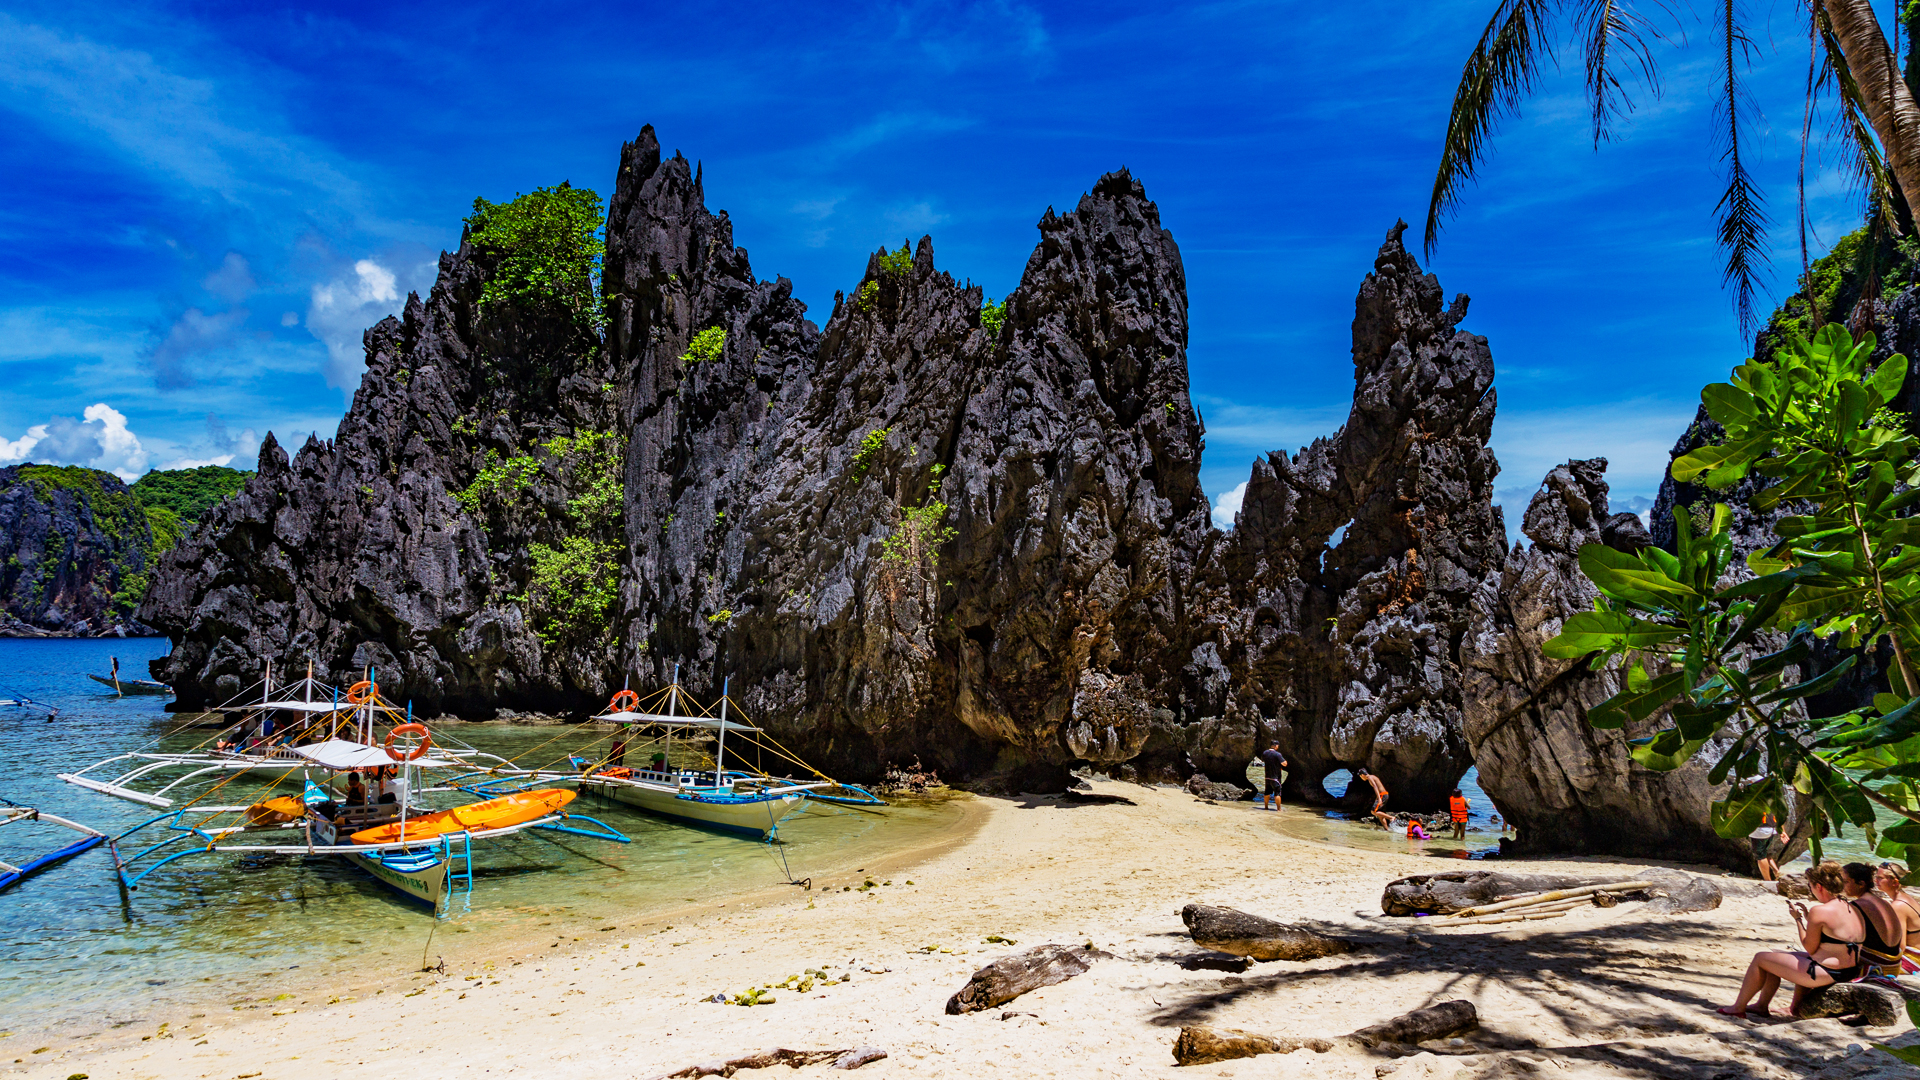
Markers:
<point>361,692</point>
<point>403,753</point>
<point>627,696</point>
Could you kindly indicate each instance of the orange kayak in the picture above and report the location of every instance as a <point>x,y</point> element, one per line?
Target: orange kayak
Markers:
<point>275,811</point>
<point>497,813</point>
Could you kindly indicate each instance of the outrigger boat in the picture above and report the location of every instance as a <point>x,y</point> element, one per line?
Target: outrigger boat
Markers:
<point>123,687</point>
<point>422,852</point>
<point>11,875</point>
<point>733,801</point>
<point>264,744</point>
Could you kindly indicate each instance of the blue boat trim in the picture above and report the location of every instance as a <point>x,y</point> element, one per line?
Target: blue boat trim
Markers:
<point>27,870</point>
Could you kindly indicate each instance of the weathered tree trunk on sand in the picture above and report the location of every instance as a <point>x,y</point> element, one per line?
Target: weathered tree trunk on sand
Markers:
<point>1671,892</point>
<point>766,1059</point>
<point>1876,1006</point>
<point>1889,104</point>
<point>1010,976</point>
<point>1236,932</point>
<point>1202,1045</point>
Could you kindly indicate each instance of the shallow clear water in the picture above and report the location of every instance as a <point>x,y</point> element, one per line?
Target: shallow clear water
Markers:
<point>75,945</point>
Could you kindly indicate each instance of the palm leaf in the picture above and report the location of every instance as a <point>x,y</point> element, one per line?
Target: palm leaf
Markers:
<point>1613,29</point>
<point>1742,212</point>
<point>1501,71</point>
<point>1859,146</point>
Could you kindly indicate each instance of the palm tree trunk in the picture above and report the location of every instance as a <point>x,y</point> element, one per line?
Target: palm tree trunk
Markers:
<point>1889,103</point>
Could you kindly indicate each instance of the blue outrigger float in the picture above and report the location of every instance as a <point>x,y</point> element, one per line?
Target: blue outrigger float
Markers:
<point>11,875</point>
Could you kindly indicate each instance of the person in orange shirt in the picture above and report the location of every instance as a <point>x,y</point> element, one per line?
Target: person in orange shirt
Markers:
<point>1458,806</point>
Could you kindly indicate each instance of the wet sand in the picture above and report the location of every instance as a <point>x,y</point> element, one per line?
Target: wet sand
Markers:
<point>1602,992</point>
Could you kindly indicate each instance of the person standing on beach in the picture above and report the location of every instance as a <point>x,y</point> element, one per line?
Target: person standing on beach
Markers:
<point>1457,807</point>
<point>1379,798</point>
<point>1273,761</point>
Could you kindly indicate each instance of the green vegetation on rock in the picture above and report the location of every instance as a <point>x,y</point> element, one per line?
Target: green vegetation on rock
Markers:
<point>546,249</point>
<point>706,345</point>
<point>574,584</point>
<point>897,264</point>
<point>189,493</point>
<point>992,317</point>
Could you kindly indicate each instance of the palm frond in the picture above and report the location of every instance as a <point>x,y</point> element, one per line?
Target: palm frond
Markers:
<point>1616,37</point>
<point>1859,147</point>
<point>1499,74</point>
<point>1742,209</point>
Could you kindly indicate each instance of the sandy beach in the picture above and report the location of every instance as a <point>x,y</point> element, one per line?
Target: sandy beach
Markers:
<point>1602,992</point>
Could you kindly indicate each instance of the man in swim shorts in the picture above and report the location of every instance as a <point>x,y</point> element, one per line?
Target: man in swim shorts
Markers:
<point>1273,761</point>
<point>1379,798</point>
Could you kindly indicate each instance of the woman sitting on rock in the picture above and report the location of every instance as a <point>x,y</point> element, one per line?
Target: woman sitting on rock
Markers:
<point>1887,876</point>
<point>1830,935</point>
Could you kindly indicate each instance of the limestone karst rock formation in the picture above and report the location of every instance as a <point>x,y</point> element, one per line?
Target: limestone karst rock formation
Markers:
<point>1562,783</point>
<point>729,486</point>
<point>1344,590</point>
<point>758,487</point>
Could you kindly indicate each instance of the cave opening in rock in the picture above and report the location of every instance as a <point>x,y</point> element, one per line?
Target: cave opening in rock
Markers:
<point>1335,783</point>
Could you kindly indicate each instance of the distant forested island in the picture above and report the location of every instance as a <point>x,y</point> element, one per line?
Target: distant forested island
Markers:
<point>79,545</point>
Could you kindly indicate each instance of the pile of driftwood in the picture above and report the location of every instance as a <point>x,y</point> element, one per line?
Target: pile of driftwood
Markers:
<point>1546,905</point>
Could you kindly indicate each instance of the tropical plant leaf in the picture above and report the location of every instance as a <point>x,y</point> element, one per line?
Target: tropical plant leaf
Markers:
<point>1607,631</point>
<point>1741,812</point>
<point>1631,705</point>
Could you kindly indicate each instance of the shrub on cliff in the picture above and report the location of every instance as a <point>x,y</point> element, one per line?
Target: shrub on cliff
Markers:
<point>546,248</point>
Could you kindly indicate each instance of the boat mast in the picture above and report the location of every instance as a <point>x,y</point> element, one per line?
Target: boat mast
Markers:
<point>720,752</point>
<point>673,709</point>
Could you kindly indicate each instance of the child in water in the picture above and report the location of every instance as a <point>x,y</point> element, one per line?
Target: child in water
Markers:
<point>1414,831</point>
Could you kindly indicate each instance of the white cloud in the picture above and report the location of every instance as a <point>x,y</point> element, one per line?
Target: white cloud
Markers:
<point>233,281</point>
<point>195,463</point>
<point>341,311</point>
<point>18,449</point>
<point>101,441</point>
<point>195,332</point>
<point>1227,505</point>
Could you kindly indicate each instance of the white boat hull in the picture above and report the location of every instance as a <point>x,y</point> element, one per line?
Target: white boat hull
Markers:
<point>754,816</point>
<point>422,879</point>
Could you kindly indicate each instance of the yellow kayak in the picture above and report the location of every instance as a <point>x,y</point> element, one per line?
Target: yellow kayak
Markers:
<point>497,813</point>
<point>275,811</point>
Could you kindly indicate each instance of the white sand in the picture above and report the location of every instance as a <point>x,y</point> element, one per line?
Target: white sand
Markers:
<point>1613,993</point>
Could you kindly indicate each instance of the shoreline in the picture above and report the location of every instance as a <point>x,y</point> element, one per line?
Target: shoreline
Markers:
<point>1614,992</point>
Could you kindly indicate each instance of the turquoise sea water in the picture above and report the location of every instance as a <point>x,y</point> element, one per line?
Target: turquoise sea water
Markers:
<point>77,948</point>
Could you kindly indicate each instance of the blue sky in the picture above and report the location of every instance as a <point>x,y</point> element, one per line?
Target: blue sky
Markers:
<point>202,206</point>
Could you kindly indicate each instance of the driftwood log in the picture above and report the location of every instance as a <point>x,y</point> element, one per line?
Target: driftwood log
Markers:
<point>1670,892</point>
<point>1875,1006</point>
<point>1202,1045</point>
<point>1229,931</point>
<point>1010,976</point>
<point>766,1059</point>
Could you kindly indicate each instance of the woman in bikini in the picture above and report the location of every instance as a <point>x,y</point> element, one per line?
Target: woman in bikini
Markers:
<point>1887,877</point>
<point>1830,936</point>
<point>1886,931</point>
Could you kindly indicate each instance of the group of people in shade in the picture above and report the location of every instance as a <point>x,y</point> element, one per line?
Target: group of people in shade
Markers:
<point>1275,762</point>
<point>1858,926</point>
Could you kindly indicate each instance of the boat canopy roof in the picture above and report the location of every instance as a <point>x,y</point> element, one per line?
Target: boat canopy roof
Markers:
<point>305,706</point>
<point>341,755</point>
<point>710,723</point>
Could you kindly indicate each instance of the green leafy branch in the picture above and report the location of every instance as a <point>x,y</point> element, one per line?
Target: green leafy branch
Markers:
<point>1816,421</point>
<point>705,346</point>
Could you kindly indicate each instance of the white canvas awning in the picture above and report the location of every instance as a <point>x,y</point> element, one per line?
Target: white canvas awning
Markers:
<point>341,755</point>
<point>708,723</point>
